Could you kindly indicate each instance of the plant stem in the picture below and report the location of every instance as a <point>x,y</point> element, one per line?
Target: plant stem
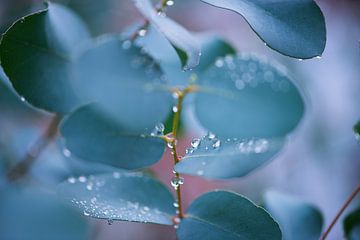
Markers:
<point>23,166</point>
<point>176,120</point>
<point>346,204</point>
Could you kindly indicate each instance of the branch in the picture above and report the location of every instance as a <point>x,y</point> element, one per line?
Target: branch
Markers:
<point>347,203</point>
<point>23,166</point>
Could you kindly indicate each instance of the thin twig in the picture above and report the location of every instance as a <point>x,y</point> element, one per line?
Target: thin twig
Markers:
<point>346,204</point>
<point>23,166</point>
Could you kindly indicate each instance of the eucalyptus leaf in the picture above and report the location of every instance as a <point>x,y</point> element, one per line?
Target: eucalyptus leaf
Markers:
<point>294,28</point>
<point>252,97</point>
<point>127,83</point>
<point>357,130</point>
<point>351,225</point>
<point>213,157</point>
<point>226,215</point>
<point>32,214</point>
<point>37,53</point>
<point>120,196</point>
<point>298,220</point>
<point>186,46</point>
<point>93,135</point>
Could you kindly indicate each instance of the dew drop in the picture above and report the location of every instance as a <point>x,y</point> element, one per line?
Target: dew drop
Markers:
<point>175,95</point>
<point>86,213</point>
<point>200,172</point>
<point>219,63</point>
<point>89,186</point>
<point>67,152</point>
<point>175,109</point>
<point>142,32</point>
<point>195,143</point>
<point>300,60</point>
<point>211,135</point>
<point>216,144</point>
<point>170,3</point>
<point>71,180</point>
<point>82,179</point>
<point>116,175</point>
<point>189,150</point>
<point>126,44</point>
<point>318,57</point>
<point>176,182</point>
<point>110,221</point>
<point>158,130</point>
<point>176,204</point>
<point>22,99</point>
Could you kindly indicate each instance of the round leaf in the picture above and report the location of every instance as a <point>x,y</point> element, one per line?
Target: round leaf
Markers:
<point>294,28</point>
<point>37,52</point>
<point>32,214</point>
<point>226,215</point>
<point>93,135</point>
<point>127,83</point>
<point>252,98</point>
<point>351,225</point>
<point>121,196</point>
<point>298,220</point>
<point>216,158</point>
<point>184,43</point>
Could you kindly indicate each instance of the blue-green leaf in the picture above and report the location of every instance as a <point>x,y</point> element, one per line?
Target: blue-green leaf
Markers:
<point>33,214</point>
<point>120,196</point>
<point>213,157</point>
<point>127,83</point>
<point>294,28</point>
<point>298,220</point>
<point>37,53</point>
<point>226,215</point>
<point>357,130</point>
<point>184,43</point>
<point>351,225</point>
<point>93,135</point>
<point>252,98</point>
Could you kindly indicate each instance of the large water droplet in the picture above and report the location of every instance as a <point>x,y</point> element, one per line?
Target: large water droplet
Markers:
<point>176,182</point>
<point>175,109</point>
<point>170,3</point>
<point>216,144</point>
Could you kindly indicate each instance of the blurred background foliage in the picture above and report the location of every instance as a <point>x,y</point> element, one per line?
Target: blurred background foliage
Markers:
<point>320,164</point>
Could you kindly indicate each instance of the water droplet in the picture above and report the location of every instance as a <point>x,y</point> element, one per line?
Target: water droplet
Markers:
<point>239,84</point>
<point>170,145</point>
<point>176,182</point>
<point>67,152</point>
<point>126,44</point>
<point>318,57</point>
<point>22,99</point>
<point>175,95</point>
<point>82,179</point>
<point>89,186</point>
<point>189,150</point>
<point>200,172</point>
<point>219,63</point>
<point>116,175</point>
<point>86,213</point>
<point>211,135</point>
<point>176,204</point>
<point>175,109</point>
<point>158,130</point>
<point>72,180</point>
<point>195,142</point>
<point>300,60</point>
<point>110,221</point>
<point>142,32</point>
<point>170,3</point>
<point>216,144</point>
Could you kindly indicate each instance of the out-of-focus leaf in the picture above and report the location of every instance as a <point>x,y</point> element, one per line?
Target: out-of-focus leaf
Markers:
<point>226,215</point>
<point>294,28</point>
<point>127,83</point>
<point>351,225</point>
<point>92,135</point>
<point>212,157</point>
<point>37,52</point>
<point>252,98</point>
<point>186,45</point>
<point>33,214</point>
<point>120,196</point>
<point>298,220</point>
